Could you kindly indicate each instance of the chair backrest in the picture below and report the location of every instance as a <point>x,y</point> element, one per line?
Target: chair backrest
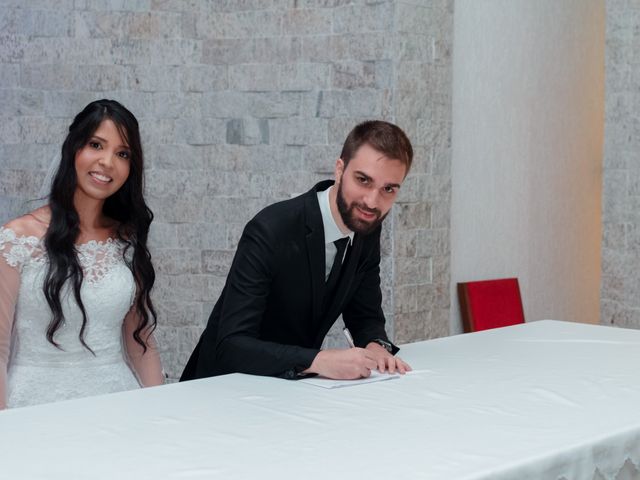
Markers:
<point>490,304</point>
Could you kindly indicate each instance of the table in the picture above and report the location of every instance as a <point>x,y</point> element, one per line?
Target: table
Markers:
<point>543,400</point>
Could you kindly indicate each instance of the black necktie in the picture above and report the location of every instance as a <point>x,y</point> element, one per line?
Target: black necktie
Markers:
<point>334,274</point>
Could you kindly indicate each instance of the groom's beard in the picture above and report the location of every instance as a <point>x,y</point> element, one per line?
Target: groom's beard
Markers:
<point>350,217</point>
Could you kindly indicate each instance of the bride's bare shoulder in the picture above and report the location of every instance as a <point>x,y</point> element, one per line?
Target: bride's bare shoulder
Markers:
<point>33,224</point>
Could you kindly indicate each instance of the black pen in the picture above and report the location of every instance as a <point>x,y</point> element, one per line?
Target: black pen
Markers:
<point>347,334</point>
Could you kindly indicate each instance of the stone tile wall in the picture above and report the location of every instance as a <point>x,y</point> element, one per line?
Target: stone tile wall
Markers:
<point>241,103</point>
<point>620,293</point>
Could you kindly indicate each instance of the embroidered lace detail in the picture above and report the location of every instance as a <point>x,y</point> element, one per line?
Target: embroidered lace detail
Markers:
<point>17,249</point>
<point>96,257</point>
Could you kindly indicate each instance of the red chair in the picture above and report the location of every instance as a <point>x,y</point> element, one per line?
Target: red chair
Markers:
<point>490,304</point>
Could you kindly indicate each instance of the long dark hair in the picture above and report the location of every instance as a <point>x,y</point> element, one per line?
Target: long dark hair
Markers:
<point>126,206</point>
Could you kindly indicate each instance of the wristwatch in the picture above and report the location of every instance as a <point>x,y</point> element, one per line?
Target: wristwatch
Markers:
<point>386,345</point>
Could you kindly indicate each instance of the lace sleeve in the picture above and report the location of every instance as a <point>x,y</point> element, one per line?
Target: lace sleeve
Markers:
<point>10,261</point>
<point>16,249</point>
<point>146,366</point>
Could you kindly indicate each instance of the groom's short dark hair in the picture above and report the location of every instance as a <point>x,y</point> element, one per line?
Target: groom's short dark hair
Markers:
<point>384,137</point>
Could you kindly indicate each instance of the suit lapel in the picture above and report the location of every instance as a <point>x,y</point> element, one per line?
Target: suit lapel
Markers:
<point>315,250</point>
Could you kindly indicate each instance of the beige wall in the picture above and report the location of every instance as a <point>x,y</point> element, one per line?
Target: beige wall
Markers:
<point>528,107</point>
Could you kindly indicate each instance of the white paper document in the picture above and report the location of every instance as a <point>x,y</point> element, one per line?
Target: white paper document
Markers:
<point>329,383</point>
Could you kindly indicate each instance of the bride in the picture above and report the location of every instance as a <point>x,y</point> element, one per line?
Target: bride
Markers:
<point>76,318</point>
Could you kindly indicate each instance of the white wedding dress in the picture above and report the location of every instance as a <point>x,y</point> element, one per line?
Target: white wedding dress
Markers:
<point>32,370</point>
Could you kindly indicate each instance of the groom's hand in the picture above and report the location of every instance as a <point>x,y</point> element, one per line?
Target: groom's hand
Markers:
<point>346,364</point>
<point>385,361</point>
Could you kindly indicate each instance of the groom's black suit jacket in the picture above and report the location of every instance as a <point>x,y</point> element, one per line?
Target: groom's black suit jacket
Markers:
<point>269,319</point>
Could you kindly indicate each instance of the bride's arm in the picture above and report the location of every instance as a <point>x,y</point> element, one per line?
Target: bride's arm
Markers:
<point>19,241</point>
<point>146,365</point>
<point>9,286</point>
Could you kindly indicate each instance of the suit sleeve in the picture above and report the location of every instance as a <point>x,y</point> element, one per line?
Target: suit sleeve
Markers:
<point>363,314</point>
<point>238,345</point>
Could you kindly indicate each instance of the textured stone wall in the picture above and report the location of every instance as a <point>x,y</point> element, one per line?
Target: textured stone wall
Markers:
<point>422,91</point>
<point>241,103</point>
<point>620,295</point>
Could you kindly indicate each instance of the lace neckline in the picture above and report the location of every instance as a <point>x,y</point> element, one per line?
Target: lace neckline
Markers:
<point>96,257</point>
<point>35,241</point>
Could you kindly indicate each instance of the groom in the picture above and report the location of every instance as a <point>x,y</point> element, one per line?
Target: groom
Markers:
<point>301,263</point>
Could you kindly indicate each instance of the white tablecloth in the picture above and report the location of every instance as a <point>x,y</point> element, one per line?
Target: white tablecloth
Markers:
<point>544,400</point>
